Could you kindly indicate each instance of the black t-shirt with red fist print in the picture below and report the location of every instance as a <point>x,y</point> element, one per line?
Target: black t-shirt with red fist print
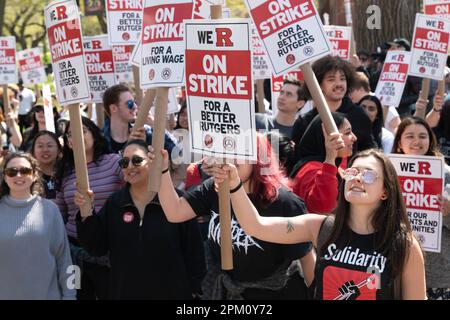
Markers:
<point>355,271</point>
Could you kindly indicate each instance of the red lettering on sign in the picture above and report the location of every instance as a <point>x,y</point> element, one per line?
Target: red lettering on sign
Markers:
<point>224,37</point>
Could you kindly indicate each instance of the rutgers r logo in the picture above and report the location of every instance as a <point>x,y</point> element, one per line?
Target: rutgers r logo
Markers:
<point>224,37</point>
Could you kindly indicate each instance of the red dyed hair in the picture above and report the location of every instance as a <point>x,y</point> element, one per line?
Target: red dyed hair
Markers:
<point>267,177</point>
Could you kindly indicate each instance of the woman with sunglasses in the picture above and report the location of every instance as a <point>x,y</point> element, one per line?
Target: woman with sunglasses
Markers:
<point>366,249</point>
<point>47,150</point>
<point>37,124</point>
<point>262,270</point>
<point>322,159</point>
<point>415,137</point>
<point>105,177</point>
<point>34,250</point>
<point>150,257</point>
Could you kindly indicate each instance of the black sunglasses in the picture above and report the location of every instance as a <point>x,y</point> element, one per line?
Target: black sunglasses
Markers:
<point>135,160</point>
<point>24,171</point>
<point>130,104</point>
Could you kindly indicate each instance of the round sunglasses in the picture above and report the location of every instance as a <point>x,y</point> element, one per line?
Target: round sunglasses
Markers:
<point>135,160</point>
<point>131,103</point>
<point>367,176</point>
<point>24,171</point>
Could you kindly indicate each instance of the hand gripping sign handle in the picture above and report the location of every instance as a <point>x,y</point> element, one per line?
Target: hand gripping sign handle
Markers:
<point>137,86</point>
<point>79,155</point>
<point>159,128</point>
<point>318,98</point>
<point>226,249</point>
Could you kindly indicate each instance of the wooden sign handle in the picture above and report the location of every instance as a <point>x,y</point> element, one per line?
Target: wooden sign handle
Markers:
<point>137,86</point>
<point>319,99</point>
<point>79,156</point>
<point>226,245</point>
<point>424,96</point>
<point>159,129</point>
<point>144,108</point>
<point>100,114</point>
<point>6,106</point>
<point>260,96</point>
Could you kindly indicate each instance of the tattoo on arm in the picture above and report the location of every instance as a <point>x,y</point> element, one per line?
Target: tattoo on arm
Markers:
<point>290,226</point>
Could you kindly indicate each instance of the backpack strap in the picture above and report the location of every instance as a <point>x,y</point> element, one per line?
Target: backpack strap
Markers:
<point>324,232</point>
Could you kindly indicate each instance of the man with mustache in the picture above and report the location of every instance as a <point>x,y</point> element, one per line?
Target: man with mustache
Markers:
<point>336,78</point>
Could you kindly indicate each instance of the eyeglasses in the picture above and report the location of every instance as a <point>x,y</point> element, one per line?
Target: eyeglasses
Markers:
<point>367,176</point>
<point>24,171</point>
<point>131,103</point>
<point>135,160</point>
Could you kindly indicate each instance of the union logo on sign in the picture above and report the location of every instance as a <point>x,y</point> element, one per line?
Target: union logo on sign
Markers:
<point>166,73</point>
<point>229,143</point>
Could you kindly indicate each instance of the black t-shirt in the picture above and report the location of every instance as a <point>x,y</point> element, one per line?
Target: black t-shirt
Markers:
<point>253,259</point>
<point>49,186</point>
<point>116,147</point>
<point>345,273</point>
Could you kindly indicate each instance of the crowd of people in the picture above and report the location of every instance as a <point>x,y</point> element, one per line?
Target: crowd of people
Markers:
<point>296,219</point>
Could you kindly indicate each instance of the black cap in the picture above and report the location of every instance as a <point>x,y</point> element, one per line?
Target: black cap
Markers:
<point>402,42</point>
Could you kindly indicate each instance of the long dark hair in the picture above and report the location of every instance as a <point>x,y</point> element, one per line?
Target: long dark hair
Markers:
<point>46,133</point>
<point>36,187</point>
<point>433,148</point>
<point>67,163</point>
<point>35,126</point>
<point>377,125</point>
<point>443,127</point>
<point>182,108</point>
<point>390,221</point>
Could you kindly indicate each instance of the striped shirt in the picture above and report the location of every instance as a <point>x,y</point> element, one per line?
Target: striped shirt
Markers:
<point>105,177</point>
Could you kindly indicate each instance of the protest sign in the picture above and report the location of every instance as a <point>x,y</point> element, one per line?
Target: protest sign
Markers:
<point>429,47</point>
<point>31,67</point>
<point>261,65</point>
<point>122,67</point>
<point>393,78</point>
<point>340,38</point>
<point>48,108</point>
<point>439,8</point>
<point>8,69</point>
<point>100,65</point>
<point>162,47</point>
<point>66,46</point>
<point>291,31</point>
<point>135,59</point>
<point>422,180</point>
<point>124,21</point>
<point>220,88</point>
<point>277,84</point>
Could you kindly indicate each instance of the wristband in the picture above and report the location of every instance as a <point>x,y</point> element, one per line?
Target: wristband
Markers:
<point>237,187</point>
<point>164,171</point>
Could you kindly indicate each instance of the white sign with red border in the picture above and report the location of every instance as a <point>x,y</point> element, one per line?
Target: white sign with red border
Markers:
<point>48,108</point>
<point>8,69</point>
<point>66,46</point>
<point>422,181</point>
<point>340,38</point>
<point>122,67</point>
<point>162,43</point>
<point>100,66</point>
<point>393,78</point>
<point>31,67</point>
<point>291,30</point>
<point>124,21</point>
<point>219,88</point>
<point>261,64</point>
<point>439,8</point>
<point>429,47</point>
